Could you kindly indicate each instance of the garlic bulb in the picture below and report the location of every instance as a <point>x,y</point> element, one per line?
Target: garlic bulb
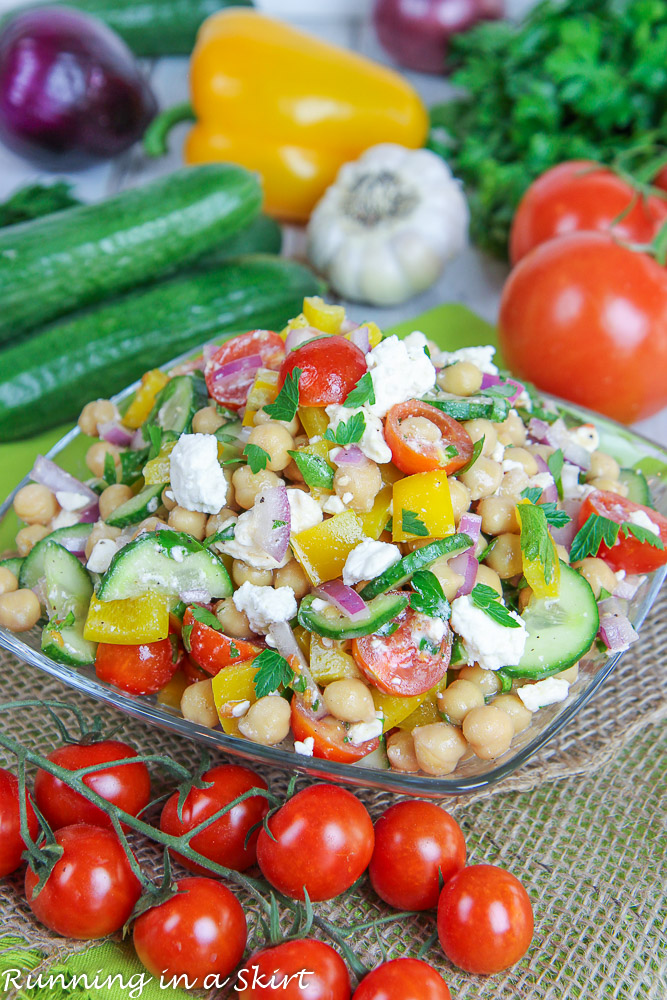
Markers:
<point>385,229</point>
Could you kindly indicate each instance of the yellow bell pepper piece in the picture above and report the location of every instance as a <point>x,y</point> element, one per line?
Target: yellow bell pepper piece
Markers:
<point>533,569</point>
<point>322,550</point>
<point>144,398</point>
<point>158,469</point>
<point>322,315</point>
<point>138,619</point>
<point>426,495</point>
<point>302,636</point>
<point>292,107</point>
<point>427,711</point>
<point>314,420</point>
<point>374,522</point>
<point>263,390</point>
<point>329,661</point>
<point>171,694</point>
<point>298,323</point>
<point>231,685</point>
<point>395,708</point>
<point>390,474</point>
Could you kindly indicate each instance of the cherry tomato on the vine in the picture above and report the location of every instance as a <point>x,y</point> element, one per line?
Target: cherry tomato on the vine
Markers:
<point>228,378</point>
<point>295,970</point>
<point>141,669</point>
<point>323,842</point>
<point>628,553</point>
<point>328,735</point>
<point>330,369</point>
<point>11,842</point>
<point>403,979</point>
<point>413,452</point>
<point>396,663</point>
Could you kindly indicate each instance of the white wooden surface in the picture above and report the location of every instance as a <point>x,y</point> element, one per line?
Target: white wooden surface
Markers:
<point>473,278</point>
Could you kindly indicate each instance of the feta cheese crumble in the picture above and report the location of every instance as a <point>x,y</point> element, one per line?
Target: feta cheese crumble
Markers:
<point>197,480</point>
<point>69,500</point>
<point>305,747</point>
<point>372,442</point>
<point>64,519</point>
<point>304,510</point>
<point>240,709</point>
<point>586,436</point>
<point>642,520</point>
<point>361,732</point>
<point>543,693</point>
<point>482,357</point>
<point>265,605</point>
<point>102,553</point>
<point>245,546</point>
<point>368,559</point>
<point>400,370</point>
<point>487,642</point>
<point>333,505</point>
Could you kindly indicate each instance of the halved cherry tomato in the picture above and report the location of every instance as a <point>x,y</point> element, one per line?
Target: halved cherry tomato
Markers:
<point>141,669</point>
<point>330,369</point>
<point>232,390</point>
<point>628,553</point>
<point>214,650</point>
<point>328,734</point>
<point>404,662</point>
<point>414,453</point>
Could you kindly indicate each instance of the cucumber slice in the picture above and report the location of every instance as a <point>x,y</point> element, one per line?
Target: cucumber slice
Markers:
<point>137,508</point>
<point>380,611</point>
<point>401,571</point>
<point>67,645</point>
<point>169,562</point>
<point>560,629</point>
<point>13,565</point>
<point>638,488</point>
<point>32,570</point>
<point>177,403</point>
<point>68,584</point>
<point>493,408</point>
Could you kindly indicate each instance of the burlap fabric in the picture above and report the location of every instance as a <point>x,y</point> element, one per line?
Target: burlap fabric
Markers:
<point>590,848</point>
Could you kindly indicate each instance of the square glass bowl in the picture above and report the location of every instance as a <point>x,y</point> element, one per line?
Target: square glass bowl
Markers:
<point>631,450</point>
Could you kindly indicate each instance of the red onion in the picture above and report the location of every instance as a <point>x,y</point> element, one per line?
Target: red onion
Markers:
<point>49,474</point>
<point>549,493</point>
<point>466,566</point>
<point>538,430</point>
<point>195,596</point>
<point>89,514</point>
<point>361,338</point>
<point>489,380</point>
<point>286,644</point>
<point>470,524</point>
<point>228,374</point>
<point>299,335</point>
<point>350,455</point>
<point>75,545</point>
<point>628,587</point>
<point>557,436</point>
<point>617,632</point>
<point>565,535</point>
<point>344,598</point>
<point>613,605</point>
<point>114,432</point>
<point>138,441</point>
<point>271,506</point>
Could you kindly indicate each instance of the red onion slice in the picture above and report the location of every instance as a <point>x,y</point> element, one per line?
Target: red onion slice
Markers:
<point>344,598</point>
<point>114,432</point>
<point>628,587</point>
<point>489,380</point>
<point>538,430</point>
<point>300,335</point>
<point>466,566</point>
<point>557,436</point>
<point>350,455</point>
<point>138,441</point>
<point>49,474</point>
<point>361,338</point>
<point>565,535</point>
<point>90,514</point>
<point>470,524</point>
<point>273,521</point>
<point>232,369</point>
<point>283,637</point>
<point>617,632</point>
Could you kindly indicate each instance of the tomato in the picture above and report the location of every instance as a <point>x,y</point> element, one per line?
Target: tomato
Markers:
<point>328,735</point>
<point>581,195</point>
<point>231,387</point>
<point>323,843</point>
<point>213,650</point>
<point>485,920</point>
<point>92,889</point>
<point>224,840</point>
<point>414,843</point>
<point>127,786</point>
<point>403,979</point>
<point>586,318</point>
<point>660,179</point>
<point>396,664</point>
<point>11,842</point>
<point>140,669</point>
<point>330,369</point>
<point>412,454</point>
<point>200,933</point>
<point>628,553</point>
<point>309,970</point>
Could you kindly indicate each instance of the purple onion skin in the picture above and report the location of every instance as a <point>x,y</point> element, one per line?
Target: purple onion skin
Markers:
<point>70,89</point>
<point>416,33</point>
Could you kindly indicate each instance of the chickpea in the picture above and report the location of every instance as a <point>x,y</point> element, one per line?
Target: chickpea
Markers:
<point>243,571</point>
<point>512,430</point>
<point>486,680</point>
<point>192,522</point>
<point>358,487</point>
<point>206,421</point>
<point>112,497</point>
<point>462,379</point>
<point>483,479</point>
<point>27,538</point>
<point>291,426</point>
<point>543,450</point>
<point>8,582</point>
<point>198,704</point>
<point>603,466</point>
<point>513,483</point>
<point>267,721</point>
<point>216,521</point>
<point>562,553</point>
<point>100,530</point>
<point>505,556</point>
<point>401,752</point>
<point>234,622</point>
<point>167,499</point>
<point>420,429</point>
<point>276,442</point>
<point>413,544</point>
<point>35,504</point>
<point>248,484</point>
<point>489,731</point>
<point>96,455</point>
<point>570,675</point>
<point>292,575</point>
<point>149,524</point>
<point>458,699</point>
<point>349,700</point>
<point>481,428</point>
<point>524,458</point>
<point>461,499</point>
<point>100,411</point>
<point>438,747</point>
<point>293,473</point>
<point>489,578</point>
<point>610,485</point>
<point>598,574</point>
<point>525,595</point>
<point>520,716</point>
<point>498,515</point>
<point>19,610</point>
<point>450,580</point>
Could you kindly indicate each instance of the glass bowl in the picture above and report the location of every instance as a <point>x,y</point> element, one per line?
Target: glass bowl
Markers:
<point>630,449</point>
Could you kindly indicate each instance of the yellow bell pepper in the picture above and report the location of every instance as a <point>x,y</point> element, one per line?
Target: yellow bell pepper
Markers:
<point>263,390</point>
<point>292,107</point>
<point>138,619</point>
<point>374,522</point>
<point>534,570</point>
<point>329,661</point>
<point>322,550</point>
<point>374,334</point>
<point>157,470</point>
<point>323,315</point>
<point>144,398</point>
<point>314,420</point>
<point>232,685</point>
<point>298,323</point>
<point>171,694</point>
<point>427,711</point>
<point>426,495</point>
<point>395,708</point>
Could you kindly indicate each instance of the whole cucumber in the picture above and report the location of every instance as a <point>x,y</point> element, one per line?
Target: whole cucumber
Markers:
<point>50,376</point>
<point>59,263</point>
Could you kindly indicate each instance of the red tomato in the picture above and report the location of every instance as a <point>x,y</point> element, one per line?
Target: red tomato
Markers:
<point>585,318</point>
<point>140,669</point>
<point>628,553</point>
<point>660,179</point>
<point>323,843</point>
<point>200,933</point>
<point>415,842</point>
<point>403,979</point>
<point>224,840</point>
<point>214,650</point>
<point>412,454</point>
<point>127,786</point>
<point>295,970</point>
<point>580,195</point>
<point>92,889</point>
<point>330,369</point>
<point>11,842</point>
<point>485,920</point>
<point>231,387</point>
<point>396,664</point>
<point>328,735</point>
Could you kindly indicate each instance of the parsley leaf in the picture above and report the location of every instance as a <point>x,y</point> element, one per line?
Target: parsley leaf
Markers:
<point>363,392</point>
<point>532,493</point>
<point>155,435</point>
<point>595,530</point>
<point>387,629</point>
<point>502,391</point>
<point>57,624</point>
<point>429,597</point>
<point>451,451</point>
<point>225,534</point>
<point>555,462</point>
<point>257,457</point>
<point>278,524</point>
<point>317,472</point>
<point>476,452</point>
<point>427,645</point>
<point>109,474</point>
<point>556,518</point>
<point>273,672</point>
<point>287,401</point>
<point>643,535</point>
<point>412,524</point>
<point>536,543</point>
<point>488,600</point>
<point>205,617</point>
<point>132,465</point>
<point>347,433</point>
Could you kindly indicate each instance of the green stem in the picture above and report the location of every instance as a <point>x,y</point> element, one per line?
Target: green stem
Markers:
<point>156,135</point>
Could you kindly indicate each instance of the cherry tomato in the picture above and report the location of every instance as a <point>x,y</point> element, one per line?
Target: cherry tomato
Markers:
<point>213,650</point>
<point>485,920</point>
<point>586,319</point>
<point>412,453</point>
<point>323,843</point>
<point>231,387</point>
<point>580,195</point>
<point>200,932</point>
<point>92,889</point>
<point>309,970</point>
<point>224,840</point>
<point>330,369</point>
<point>328,734</point>
<point>127,786</point>
<point>11,842</point>
<point>403,979</point>
<point>628,553</point>
<point>414,843</point>
<point>396,664</point>
<point>660,179</point>
<point>140,669</point>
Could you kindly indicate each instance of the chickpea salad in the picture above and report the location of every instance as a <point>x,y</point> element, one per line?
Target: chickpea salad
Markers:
<point>351,544</point>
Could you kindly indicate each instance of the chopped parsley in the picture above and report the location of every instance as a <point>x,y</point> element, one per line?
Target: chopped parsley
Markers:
<point>412,523</point>
<point>60,623</point>
<point>316,471</point>
<point>363,392</point>
<point>109,474</point>
<point>155,435</point>
<point>537,545</point>
<point>595,530</point>
<point>555,462</point>
<point>287,401</point>
<point>257,457</point>
<point>278,524</point>
<point>273,672</point>
<point>556,518</point>
<point>429,597</point>
<point>476,452</point>
<point>347,433</point>
<point>225,534</point>
<point>644,535</point>
<point>205,617</point>
<point>488,600</point>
